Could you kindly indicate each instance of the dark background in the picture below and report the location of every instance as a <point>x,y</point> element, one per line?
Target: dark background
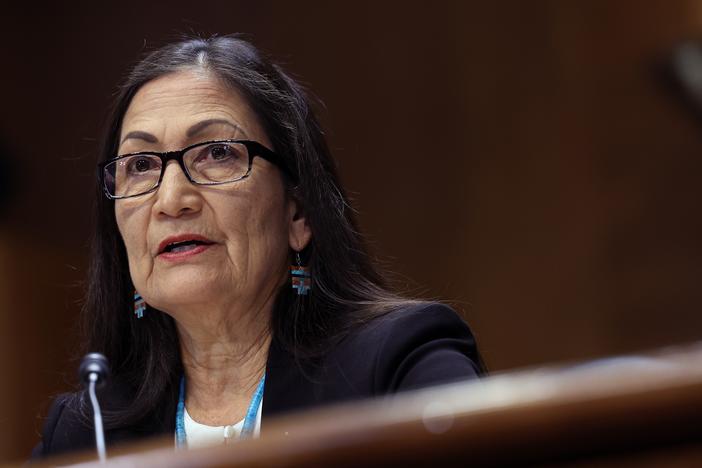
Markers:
<point>524,160</point>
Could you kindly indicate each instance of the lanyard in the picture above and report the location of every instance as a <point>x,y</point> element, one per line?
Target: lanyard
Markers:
<point>249,421</point>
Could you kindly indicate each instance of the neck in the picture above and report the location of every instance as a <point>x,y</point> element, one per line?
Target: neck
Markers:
<point>223,364</point>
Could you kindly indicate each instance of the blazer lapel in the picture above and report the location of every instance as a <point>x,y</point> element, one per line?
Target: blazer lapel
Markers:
<point>288,383</point>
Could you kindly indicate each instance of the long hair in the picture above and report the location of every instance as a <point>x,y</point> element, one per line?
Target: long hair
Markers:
<point>347,289</point>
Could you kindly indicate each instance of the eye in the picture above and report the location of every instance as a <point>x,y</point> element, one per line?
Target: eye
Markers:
<point>219,152</point>
<point>217,162</point>
<point>140,164</point>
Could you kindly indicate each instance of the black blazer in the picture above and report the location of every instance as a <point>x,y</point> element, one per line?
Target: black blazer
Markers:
<point>408,348</point>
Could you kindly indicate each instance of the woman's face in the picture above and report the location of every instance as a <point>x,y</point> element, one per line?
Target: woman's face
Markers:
<point>244,229</point>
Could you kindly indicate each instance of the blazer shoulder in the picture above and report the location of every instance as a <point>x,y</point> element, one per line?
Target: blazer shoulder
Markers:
<point>69,424</point>
<point>416,345</point>
<point>418,315</point>
<point>416,321</point>
<point>64,429</point>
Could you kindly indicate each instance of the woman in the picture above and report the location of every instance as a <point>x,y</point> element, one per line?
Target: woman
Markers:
<point>229,282</point>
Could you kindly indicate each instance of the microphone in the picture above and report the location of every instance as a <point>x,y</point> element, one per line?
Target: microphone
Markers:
<point>93,372</point>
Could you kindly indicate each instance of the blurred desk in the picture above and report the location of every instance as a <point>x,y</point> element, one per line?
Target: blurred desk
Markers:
<point>627,411</point>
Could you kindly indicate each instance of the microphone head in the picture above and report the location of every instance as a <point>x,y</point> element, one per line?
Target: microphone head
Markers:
<point>94,363</point>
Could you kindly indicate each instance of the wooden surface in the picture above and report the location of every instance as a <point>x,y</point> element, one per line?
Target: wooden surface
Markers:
<point>627,411</point>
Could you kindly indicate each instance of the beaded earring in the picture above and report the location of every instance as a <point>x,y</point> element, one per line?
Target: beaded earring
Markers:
<point>300,277</point>
<point>139,305</point>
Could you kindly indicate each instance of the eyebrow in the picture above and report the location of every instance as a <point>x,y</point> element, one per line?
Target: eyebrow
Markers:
<point>200,126</point>
<point>139,135</point>
<point>192,131</point>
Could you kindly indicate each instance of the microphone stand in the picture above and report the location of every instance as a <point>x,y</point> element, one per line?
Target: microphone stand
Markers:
<point>93,372</point>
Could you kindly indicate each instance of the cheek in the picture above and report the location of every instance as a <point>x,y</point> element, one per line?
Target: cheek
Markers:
<point>256,228</point>
<point>132,224</point>
<point>267,221</point>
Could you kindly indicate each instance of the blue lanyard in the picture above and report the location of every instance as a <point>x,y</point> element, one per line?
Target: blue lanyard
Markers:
<point>249,421</point>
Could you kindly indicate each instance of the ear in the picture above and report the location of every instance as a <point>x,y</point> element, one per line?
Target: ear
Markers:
<point>299,232</point>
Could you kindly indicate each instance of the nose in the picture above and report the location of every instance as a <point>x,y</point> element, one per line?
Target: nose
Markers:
<point>176,196</point>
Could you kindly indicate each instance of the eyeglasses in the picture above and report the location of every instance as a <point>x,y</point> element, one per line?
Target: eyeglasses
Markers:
<point>208,163</point>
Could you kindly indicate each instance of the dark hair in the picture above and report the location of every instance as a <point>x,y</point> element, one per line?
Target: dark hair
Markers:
<point>346,287</point>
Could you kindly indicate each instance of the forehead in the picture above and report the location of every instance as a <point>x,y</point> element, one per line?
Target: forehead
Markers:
<point>168,106</point>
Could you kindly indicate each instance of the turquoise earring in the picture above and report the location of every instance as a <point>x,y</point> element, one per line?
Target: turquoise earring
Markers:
<point>139,305</point>
<point>300,276</point>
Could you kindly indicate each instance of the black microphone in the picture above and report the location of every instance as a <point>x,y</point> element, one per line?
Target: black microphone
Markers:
<point>93,372</point>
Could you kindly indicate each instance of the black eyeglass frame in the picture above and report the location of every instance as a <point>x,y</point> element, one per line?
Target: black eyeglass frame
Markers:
<point>253,148</point>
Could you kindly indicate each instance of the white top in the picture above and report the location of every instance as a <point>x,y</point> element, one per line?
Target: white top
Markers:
<point>201,435</point>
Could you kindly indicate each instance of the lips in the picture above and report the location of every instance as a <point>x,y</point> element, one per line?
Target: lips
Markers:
<point>182,243</point>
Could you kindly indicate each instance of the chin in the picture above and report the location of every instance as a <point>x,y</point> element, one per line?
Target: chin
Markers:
<point>182,289</point>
